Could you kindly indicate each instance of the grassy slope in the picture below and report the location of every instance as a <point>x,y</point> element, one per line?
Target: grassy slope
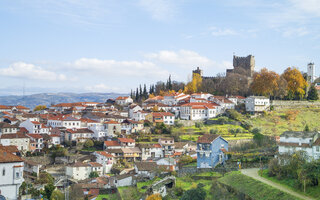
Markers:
<point>275,122</point>
<point>253,188</point>
<point>289,183</point>
<point>192,133</point>
<point>108,196</point>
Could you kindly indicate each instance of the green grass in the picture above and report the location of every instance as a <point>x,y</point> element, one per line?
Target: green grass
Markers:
<point>275,123</point>
<point>253,188</point>
<point>108,196</point>
<point>146,183</point>
<point>211,174</point>
<point>192,133</point>
<point>290,184</point>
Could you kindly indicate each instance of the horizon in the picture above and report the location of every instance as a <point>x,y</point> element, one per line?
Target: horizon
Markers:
<point>105,47</point>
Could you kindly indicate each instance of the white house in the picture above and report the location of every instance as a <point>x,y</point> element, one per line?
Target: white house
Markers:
<point>292,141</point>
<point>81,171</point>
<point>6,128</point>
<point>173,99</point>
<point>123,101</point>
<point>35,127</point>
<point>223,102</point>
<point>140,115</point>
<point>151,151</point>
<point>133,109</point>
<point>11,174</point>
<point>198,111</point>
<point>105,159</point>
<point>64,121</point>
<point>78,135</point>
<point>21,141</point>
<point>163,117</point>
<point>257,104</point>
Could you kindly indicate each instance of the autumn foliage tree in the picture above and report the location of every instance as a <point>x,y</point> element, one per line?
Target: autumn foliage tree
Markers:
<point>296,84</point>
<point>40,107</point>
<point>194,85</point>
<point>154,197</point>
<point>265,83</point>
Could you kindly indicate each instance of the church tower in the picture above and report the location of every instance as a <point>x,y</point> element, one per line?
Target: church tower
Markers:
<point>311,72</point>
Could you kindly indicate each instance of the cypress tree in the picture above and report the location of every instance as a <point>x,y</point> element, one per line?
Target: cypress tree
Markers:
<point>313,93</point>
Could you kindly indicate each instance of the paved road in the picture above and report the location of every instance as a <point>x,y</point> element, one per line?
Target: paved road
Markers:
<point>253,172</point>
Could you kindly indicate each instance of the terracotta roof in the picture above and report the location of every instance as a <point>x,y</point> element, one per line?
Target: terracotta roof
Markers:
<point>157,146</point>
<point>223,150</point>
<point>293,144</point>
<point>126,140</point>
<point>105,154</point>
<point>88,120</point>
<point>10,148</point>
<point>7,125</point>
<point>111,122</point>
<point>12,136</point>
<point>146,166</point>
<point>4,107</point>
<point>7,157</point>
<point>198,105</point>
<point>35,122</point>
<point>80,130</point>
<point>111,143</point>
<point>122,98</point>
<point>161,114</point>
<point>95,164</point>
<point>207,138</point>
<point>316,143</point>
<point>79,164</point>
<point>36,136</point>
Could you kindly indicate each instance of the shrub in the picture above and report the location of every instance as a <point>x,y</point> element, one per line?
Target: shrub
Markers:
<point>233,114</point>
<point>222,120</point>
<point>214,131</point>
<point>89,143</point>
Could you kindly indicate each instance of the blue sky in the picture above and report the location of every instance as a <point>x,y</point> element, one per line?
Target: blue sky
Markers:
<point>113,46</point>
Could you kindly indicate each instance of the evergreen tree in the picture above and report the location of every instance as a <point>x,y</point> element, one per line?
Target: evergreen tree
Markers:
<point>145,93</point>
<point>169,83</point>
<point>140,93</point>
<point>150,89</point>
<point>313,94</point>
<point>137,95</point>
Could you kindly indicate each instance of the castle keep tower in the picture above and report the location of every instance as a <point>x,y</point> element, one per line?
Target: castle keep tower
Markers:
<point>311,72</point>
<point>243,65</point>
<point>197,71</point>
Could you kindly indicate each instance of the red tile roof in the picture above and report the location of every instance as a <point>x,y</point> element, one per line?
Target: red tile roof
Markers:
<point>36,136</point>
<point>207,138</point>
<point>105,154</point>
<point>126,140</point>
<point>35,122</point>
<point>197,105</point>
<point>7,157</point>
<point>13,135</point>
<point>111,143</point>
<point>122,98</point>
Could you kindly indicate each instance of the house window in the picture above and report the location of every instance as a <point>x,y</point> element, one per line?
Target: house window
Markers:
<point>17,175</point>
<point>317,148</point>
<point>3,172</point>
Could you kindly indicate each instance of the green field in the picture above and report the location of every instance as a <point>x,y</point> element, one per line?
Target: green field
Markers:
<point>275,122</point>
<point>192,133</point>
<point>108,196</point>
<point>253,188</point>
<point>290,184</point>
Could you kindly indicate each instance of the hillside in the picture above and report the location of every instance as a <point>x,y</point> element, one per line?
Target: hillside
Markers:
<point>53,98</point>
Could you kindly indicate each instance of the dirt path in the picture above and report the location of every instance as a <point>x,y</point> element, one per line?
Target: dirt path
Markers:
<point>253,172</point>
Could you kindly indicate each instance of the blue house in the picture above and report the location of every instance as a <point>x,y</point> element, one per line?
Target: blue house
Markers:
<point>211,150</point>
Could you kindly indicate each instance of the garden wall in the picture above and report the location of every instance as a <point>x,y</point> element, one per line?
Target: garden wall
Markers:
<point>278,104</point>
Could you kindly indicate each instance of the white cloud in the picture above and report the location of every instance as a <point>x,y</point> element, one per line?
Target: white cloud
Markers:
<point>222,32</point>
<point>122,69</point>
<point>161,10</point>
<point>290,32</point>
<point>30,71</point>
<point>104,88</point>
<point>311,7</point>
<point>181,58</point>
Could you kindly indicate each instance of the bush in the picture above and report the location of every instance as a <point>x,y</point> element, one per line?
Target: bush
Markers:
<point>214,131</point>
<point>195,194</point>
<point>89,143</point>
<point>199,125</point>
<point>93,174</point>
<point>233,114</point>
<point>222,120</point>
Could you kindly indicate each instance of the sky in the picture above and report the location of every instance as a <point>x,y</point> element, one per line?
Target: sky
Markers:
<point>113,46</point>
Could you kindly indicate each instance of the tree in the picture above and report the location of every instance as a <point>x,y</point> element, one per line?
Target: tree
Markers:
<point>306,128</point>
<point>194,85</point>
<point>195,194</point>
<point>154,197</point>
<point>57,195</point>
<point>48,190</point>
<point>93,174</point>
<point>76,192</point>
<point>265,83</point>
<point>89,143</point>
<point>313,93</point>
<point>185,159</point>
<point>40,107</point>
<point>45,178</point>
<point>296,83</point>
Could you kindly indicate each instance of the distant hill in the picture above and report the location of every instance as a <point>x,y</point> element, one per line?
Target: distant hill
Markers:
<point>47,99</point>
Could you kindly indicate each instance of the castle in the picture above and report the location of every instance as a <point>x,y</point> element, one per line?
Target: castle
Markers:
<point>241,65</point>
